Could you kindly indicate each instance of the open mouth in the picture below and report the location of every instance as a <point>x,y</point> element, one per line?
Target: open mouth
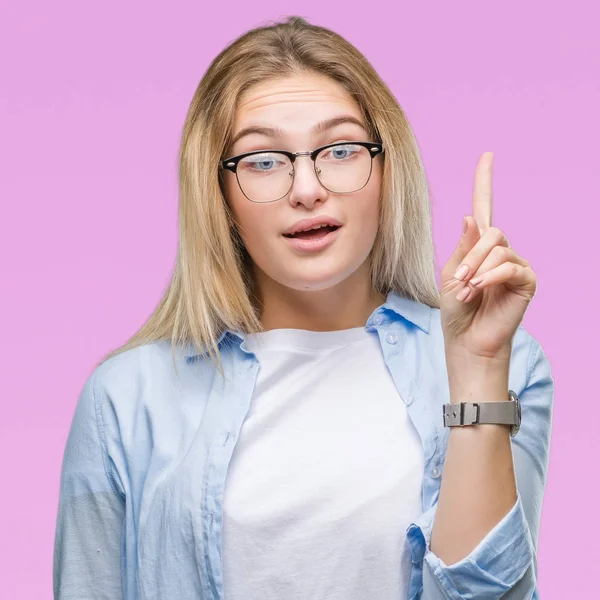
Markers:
<point>320,231</point>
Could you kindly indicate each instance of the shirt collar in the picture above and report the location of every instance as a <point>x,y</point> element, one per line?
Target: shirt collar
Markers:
<point>415,312</point>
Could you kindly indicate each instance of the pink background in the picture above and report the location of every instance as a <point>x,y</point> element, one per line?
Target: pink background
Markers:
<point>92,102</point>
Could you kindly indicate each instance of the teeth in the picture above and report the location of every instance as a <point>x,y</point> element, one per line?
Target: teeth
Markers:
<point>315,227</point>
<point>309,229</point>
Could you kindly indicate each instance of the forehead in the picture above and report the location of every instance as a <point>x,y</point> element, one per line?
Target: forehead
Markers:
<point>294,103</point>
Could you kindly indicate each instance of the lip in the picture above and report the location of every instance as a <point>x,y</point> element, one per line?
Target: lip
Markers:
<point>316,245</point>
<point>310,223</point>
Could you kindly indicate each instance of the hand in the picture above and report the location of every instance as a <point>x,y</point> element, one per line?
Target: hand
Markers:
<point>496,291</point>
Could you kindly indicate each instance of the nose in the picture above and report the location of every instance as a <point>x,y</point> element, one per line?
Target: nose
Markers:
<point>306,187</point>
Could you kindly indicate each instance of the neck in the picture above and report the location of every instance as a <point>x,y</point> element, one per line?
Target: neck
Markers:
<point>345,305</point>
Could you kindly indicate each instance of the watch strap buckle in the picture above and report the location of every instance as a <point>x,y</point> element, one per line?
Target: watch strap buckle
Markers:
<point>465,413</point>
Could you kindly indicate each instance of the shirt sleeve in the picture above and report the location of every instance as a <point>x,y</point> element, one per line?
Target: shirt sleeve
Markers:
<point>504,563</point>
<point>89,527</point>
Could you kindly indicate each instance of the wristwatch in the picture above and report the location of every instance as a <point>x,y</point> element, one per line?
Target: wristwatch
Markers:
<point>472,413</point>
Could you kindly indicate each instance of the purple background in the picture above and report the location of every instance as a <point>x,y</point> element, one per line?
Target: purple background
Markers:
<point>92,102</point>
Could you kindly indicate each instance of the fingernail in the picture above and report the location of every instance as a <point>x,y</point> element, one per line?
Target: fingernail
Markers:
<point>461,272</point>
<point>477,280</point>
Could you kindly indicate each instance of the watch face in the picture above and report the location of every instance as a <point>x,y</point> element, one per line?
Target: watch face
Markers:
<point>515,428</point>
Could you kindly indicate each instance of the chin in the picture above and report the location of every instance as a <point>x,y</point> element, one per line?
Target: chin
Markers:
<point>315,280</point>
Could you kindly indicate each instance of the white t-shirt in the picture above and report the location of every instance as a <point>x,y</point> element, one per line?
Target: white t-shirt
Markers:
<point>325,477</point>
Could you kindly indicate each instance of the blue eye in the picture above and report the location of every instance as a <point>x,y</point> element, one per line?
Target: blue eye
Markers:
<point>263,163</point>
<point>343,152</point>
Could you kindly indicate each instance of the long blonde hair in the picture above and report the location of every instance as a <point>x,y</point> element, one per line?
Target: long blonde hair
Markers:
<point>210,290</point>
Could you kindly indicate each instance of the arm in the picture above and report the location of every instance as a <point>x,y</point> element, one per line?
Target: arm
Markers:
<point>480,539</point>
<point>91,510</point>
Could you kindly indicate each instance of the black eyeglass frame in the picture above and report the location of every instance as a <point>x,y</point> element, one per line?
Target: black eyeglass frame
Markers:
<point>231,164</point>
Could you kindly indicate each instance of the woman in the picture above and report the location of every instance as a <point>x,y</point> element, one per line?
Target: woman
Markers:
<point>275,429</point>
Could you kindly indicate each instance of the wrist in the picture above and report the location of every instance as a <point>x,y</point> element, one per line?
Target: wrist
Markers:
<point>459,354</point>
<point>477,379</point>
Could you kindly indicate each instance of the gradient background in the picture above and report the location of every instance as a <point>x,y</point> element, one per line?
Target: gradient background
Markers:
<point>92,102</point>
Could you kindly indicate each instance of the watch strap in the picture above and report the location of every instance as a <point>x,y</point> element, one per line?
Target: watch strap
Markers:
<point>505,412</point>
<point>502,413</point>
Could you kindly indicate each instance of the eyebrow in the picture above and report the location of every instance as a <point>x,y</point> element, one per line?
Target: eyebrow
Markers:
<point>276,132</point>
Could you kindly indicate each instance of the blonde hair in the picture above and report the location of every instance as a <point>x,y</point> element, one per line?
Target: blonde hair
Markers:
<point>210,290</point>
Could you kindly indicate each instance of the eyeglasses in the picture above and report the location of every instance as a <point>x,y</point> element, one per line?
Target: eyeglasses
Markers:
<point>268,175</point>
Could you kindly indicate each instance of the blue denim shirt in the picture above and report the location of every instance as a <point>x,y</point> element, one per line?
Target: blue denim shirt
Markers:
<point>142,484</point>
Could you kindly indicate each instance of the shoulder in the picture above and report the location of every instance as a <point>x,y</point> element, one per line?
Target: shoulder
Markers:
<point>144,378</point>
<point>131,368</point>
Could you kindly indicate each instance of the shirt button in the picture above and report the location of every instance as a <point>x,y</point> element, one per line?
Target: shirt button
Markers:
<point>391,337</point>
<point>378,319</point>
<point>436,472</point>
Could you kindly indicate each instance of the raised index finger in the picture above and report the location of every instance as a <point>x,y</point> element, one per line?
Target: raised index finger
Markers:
<point>482,191</point>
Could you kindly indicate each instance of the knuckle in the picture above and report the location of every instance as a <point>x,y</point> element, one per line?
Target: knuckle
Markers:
<point>463,244</point>
<point>498,235</point>
<point>501,253</point>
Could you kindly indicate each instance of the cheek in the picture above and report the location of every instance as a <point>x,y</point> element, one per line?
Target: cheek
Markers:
<point>367,212</point>
<point>254,221</point>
